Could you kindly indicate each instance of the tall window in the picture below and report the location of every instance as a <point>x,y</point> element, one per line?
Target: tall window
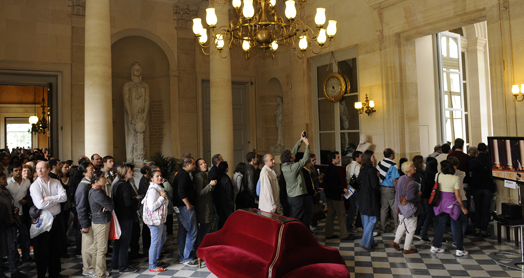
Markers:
<point>18,133</point>
<point>451,87</point>
<point>337,124</point>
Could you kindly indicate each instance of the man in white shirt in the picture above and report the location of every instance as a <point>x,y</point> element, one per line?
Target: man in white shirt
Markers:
<point>269,199</point>
<point>353,169</point>
<point>47,194</point>
<point>18,188</point>
<point>445,151</point>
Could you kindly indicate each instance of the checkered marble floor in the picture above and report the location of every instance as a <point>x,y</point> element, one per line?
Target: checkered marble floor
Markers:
<point>383,262</point>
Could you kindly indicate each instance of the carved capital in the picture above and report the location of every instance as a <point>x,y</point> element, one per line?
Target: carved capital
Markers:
<point>78,7</point>
<point>378,15</point>
<point>184,15</point>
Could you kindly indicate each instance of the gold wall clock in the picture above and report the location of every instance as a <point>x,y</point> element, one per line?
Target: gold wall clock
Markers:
<point>335,86</point>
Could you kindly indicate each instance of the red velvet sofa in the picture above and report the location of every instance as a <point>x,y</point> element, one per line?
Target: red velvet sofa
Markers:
<point>256,244</point>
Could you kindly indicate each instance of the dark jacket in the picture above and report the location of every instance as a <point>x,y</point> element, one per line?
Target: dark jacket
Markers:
<point>212,174</point>
<point>204,205</point>
<point>368,197</point>
<point>183,188</point>
<point>223,196</point>
<point>309,182</point>
<point>82,203</point>
<point>332,186</point>
<point>480,169</point>
<point>125,203</point>
<point>250,180</point>
<point>98,200</point>
<point>463,166</point>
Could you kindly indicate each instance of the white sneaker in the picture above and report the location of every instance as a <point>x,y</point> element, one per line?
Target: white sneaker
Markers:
<point>461,253</point>
<point>375,234</point>
<point>437,250</point>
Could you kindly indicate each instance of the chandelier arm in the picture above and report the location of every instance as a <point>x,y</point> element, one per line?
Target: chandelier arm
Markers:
<point>207,54</point>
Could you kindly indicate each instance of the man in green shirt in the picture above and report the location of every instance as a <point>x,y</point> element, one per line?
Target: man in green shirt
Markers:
<point>301,204</point>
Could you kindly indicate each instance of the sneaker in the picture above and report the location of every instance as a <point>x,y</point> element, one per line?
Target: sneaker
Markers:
<point>312,228</point>
<point>461,253</point>
<point>436,250</point>
<point>192,263</point>
<point>417,237</point>
<point>90,273</point>
<point>202,264</point>
<point>375,234</point>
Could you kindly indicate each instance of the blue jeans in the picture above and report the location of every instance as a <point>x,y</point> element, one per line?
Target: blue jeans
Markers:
<point>463,221</point>
<point>121,245</point>
<point>368,224</point>
<point>456,230</point>
<point>158,238</point>
<point>482,199</point>
<point>187,233</point>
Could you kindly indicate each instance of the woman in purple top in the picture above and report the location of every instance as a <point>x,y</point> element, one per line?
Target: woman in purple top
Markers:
<point>407,218</point>
<point>450,206</point>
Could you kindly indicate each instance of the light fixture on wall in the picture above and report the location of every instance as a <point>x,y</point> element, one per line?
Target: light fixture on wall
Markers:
<point>258,24</point>
<point>40,125</point>
<point>367,106</point>
<point>518,93</point>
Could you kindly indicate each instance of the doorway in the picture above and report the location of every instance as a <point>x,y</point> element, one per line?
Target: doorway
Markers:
<point>240,121</point>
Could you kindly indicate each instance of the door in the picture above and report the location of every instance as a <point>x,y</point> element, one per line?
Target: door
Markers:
<point>240,122</point>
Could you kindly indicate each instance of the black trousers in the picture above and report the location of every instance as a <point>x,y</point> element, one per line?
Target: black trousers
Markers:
<point>134,246</point>
<point>146,238</point>
<point>301,208</point>
<point>45,245</point>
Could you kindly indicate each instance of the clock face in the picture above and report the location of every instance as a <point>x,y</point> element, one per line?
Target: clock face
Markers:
<point>333,87</point>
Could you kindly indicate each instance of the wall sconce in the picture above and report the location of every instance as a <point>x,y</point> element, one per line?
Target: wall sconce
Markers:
<point>518,93</point>
<point>366,106</point>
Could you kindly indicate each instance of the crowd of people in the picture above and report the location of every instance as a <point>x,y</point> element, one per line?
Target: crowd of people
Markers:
<point>84,197</point>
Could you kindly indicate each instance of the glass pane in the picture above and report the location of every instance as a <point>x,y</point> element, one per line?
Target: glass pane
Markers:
<point>445,76</point>
<point>348,114</point>
<point>18,136</point>
<point>446,101</point>
<point>327,144</point>
<point>457,115</point>
<point>443,46</point>
<point>349,142</point>
<point>326,115</point>
<point>449,135</point>
<point>321,75</point>
<point>456,101</point>
<point>349,69</point>
<point>453,48</point>
<point>455,82</point>
<point>458,128</point>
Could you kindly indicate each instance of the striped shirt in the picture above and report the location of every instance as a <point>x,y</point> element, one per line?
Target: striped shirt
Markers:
<point>383,167</point>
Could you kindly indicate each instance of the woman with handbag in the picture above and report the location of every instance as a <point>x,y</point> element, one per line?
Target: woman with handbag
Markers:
<point>155,213</point>
<point>408,206</point>
<point>368,199</point>
<point>449,205</point>
<point>101,208</point>
<point>204,206</point>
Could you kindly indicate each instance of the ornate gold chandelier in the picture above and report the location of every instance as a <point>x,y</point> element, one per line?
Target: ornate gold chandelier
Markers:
<point>258,24</point>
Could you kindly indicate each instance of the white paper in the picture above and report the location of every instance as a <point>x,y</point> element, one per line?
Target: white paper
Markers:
<point>351,190</point>
<point>510,184</point>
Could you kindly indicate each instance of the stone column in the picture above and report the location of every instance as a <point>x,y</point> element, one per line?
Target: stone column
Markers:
<point>221,110</point>
<point>496,153</point>
<point>508,154</point>
<point>521,144</point>
<point>98,109</point>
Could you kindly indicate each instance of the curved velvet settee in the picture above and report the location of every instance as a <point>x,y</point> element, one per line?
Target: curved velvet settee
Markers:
<point>257,244</point>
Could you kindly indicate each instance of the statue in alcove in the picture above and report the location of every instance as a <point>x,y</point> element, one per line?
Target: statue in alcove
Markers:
<point>136,104</point>
<point>279,119</point>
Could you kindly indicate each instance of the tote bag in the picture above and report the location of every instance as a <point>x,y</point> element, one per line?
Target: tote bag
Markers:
<point>157,217</point>
<point>114,229</point>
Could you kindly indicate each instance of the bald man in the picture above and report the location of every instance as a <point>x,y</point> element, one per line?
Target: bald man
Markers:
<point>269,199</point>
<point>48,193</point>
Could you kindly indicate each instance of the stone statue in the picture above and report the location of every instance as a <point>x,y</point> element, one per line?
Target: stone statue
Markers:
<point>136,104</point>
<point>279,119</point>
<point>363,145</point>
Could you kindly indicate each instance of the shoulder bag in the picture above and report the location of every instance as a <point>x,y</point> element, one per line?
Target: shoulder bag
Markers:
<point>434,199</point>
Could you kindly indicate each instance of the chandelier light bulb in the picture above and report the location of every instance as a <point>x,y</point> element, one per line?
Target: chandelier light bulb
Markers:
<point>236,4</point>
<point>291,12</point>
<point>272,2</point>
<point>203,37</point>
<point>274,45</point>
<point>245,45</point>
<point>321,39</point>
<point>249,10</point>
<point>522,87</point>
<point>33,120</point>
<point>211,17</point>
<point>332,28</point>
<point>320,18</point>
<point>371,104</point>
<point>302,44</point>
<point>220,42</point>
<point>515,89</point>
<point>358,105</point>
<point>197,26</point>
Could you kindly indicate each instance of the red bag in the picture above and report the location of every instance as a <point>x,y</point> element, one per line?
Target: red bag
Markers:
<point>434,199</point>
<point>114,228</point>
